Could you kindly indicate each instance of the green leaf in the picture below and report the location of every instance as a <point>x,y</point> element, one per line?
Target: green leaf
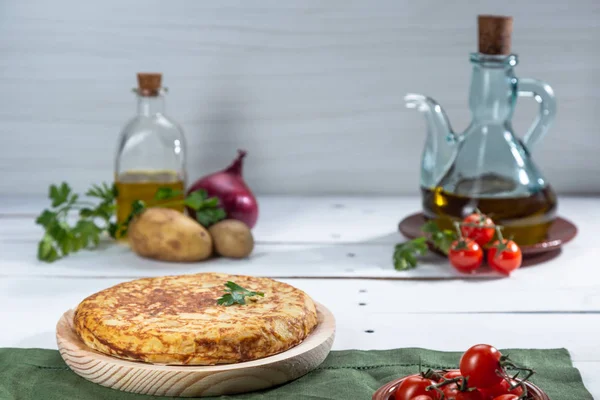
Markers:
<point>46,218</point>
<point>212,202</point>
<point>73,199</point>
<point>165,193</point>
<point>104,191</point>
<point>238,297</point>
<point>86,212</point>
<point>137,207</point>
<point>61,239</point>
<point>412,260</point>
<point>46,250</point>
<point>225,300</point>
<point>59,194</point>
<point>104,210</point>
<point>405,254</point>
<point>87,233</point>
<point>210,217</point>
<point>94,191</point>
<point>219,215</point>
<point>232,286</point>
<point>112,229</point>
<point>235,294</point>
<point>441,239</point>
<point>430,227</point>
<point>203,219</point>
<point>195,200</point>
<point>400,264</point>
<point>59,231</point>
<point>77,243</point>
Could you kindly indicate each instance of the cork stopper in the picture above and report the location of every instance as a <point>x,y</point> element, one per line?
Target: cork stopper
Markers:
<point>495,34</point>
<point>149,83</point>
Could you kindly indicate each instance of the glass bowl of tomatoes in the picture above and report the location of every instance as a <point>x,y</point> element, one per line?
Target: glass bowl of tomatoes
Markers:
<point>388,391</point>
<point>484,374</point>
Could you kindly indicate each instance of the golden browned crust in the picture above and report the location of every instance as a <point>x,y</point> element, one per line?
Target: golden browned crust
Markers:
<point>176,320</point>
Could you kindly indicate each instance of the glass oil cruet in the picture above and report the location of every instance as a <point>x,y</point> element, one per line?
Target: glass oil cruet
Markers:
<point>151,150</point>
<point>488,167</point>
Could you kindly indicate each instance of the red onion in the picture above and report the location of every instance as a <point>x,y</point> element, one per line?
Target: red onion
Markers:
<point>229,187</point>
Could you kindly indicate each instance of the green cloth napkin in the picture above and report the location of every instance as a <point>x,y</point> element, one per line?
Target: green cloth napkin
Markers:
<point>28,374</point>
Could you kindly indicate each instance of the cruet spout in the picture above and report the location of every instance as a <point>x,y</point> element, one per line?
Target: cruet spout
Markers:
<point>440,149</point>
<point>437,121</point>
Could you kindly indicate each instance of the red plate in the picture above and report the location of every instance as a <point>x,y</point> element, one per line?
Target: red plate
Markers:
<point>386,392</point>
<point>561,231</point>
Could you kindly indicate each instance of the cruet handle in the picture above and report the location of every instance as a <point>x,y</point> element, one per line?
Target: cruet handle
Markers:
<point>544,95</point>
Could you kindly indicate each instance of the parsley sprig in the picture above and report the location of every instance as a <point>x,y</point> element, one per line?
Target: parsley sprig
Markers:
<point>440,238</point>
<point>235,294</point>
<point>405,254</point>
<point>61,238</point>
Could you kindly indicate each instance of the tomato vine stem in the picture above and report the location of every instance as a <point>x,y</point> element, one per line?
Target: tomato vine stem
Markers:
<point>507,363</point>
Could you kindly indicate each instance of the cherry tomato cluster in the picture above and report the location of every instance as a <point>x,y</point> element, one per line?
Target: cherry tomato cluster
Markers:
<point>476,232</point>
<point>482,376</point>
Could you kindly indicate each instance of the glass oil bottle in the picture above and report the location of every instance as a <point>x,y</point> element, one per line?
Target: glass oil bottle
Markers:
<point>488,167</point>
<point>151,150</point>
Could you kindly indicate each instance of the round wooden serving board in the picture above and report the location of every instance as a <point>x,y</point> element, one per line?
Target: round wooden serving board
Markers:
<point>195,381</point>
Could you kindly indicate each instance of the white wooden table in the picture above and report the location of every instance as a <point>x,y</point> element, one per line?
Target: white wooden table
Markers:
<point>308,242</point>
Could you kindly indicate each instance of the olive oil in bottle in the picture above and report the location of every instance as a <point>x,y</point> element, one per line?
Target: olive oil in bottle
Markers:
<point>142,185</point>
<point>526,218</point>
<point>151,151</point>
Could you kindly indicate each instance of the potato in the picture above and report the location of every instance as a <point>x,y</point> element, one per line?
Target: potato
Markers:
<point>232,238</point>
<point>168,235</point>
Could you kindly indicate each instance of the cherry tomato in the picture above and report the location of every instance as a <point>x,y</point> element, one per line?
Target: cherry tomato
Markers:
<point>480,364</point>
<point>452,374</point>
<point>414,386</point>
<point>483,232</point>
<point>451,392</point>
<point>421,397</point>
<point>470,395</point>
<point>507,397</point>
<point>487,394</point>
<point>465,255</point>
<point>502,388</point>
<point>504,256</point>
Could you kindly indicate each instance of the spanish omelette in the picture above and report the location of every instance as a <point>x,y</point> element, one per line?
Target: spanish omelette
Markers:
<point>175,320</point>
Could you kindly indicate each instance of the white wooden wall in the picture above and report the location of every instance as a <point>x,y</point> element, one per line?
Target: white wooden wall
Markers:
<point>312,89</point>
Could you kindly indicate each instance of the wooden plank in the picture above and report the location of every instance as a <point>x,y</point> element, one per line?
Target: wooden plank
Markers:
<point>289,219</point>
<point>310,89</point>
<point>291,261</point>
<point>299,237</point>
<point>371,297</point>
<point>577,332</point>
<point>304,260</point>
<point>521,292</point>
<point>400,318</point>
<point>302,219</point>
